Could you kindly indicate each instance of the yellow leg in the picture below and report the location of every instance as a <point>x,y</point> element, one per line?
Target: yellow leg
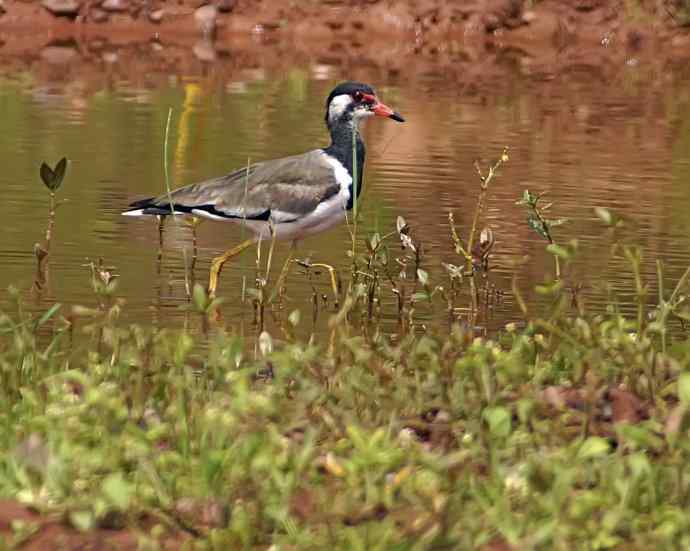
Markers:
<point>217,264</point>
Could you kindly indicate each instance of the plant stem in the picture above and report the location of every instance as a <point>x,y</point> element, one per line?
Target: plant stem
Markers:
<point>355,184</point>
<point>165,161</point>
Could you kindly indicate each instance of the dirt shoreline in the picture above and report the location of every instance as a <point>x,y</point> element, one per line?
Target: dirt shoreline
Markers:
<point>463,41</point>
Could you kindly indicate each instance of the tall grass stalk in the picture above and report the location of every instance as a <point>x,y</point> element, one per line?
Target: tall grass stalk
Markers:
<point>243,229</point>
<point>355,185</point>
<point>467,250</point>
<point>166,171</point>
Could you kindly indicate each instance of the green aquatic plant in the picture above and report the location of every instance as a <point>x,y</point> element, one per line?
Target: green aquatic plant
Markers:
<point>475,250</point>
<point>544,437</point>
<point>537,221</point>
<point>52,178</point>
<point>567,429</point>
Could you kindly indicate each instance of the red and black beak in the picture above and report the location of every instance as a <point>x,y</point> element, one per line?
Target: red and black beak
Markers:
<point>382,110</point>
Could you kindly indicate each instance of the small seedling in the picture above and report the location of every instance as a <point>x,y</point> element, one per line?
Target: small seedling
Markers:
<point>536,219</point>
<point>53,177</point>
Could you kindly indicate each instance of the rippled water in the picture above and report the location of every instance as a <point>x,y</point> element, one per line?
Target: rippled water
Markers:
<point>585,142</point>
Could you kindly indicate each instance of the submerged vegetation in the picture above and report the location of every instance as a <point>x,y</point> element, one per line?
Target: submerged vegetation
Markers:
<point>568,429</point>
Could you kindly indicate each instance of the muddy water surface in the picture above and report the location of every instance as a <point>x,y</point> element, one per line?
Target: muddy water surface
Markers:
<point>584,141</point>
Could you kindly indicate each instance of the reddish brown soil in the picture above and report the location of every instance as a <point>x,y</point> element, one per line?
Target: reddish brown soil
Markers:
<point>49,533</point>
<point>464,40</point>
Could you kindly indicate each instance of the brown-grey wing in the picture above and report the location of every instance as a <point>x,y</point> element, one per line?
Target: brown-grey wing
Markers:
<point>283,189</point>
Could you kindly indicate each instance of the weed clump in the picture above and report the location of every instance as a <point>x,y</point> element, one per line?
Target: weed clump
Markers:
<point>567,429</point>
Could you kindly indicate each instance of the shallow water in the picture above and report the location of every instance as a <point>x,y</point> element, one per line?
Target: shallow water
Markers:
<point>584,142</point>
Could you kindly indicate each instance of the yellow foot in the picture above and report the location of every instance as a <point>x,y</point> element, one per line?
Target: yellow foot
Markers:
<point>219,261</point>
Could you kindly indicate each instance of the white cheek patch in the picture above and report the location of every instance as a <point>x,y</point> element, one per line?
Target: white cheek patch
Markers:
<point>338,106</point>
<point>362,113</point>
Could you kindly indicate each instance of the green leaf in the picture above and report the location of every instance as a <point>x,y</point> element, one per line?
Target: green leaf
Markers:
<point>423,277</point>
<point>455,272</point>
<point>215,304</point>
<point>200,297</point>
<point>639,436</point>
<point>82,520</point>
<point>117,490</point>
<point>59,173</point>
<point>594,446</point>
<point>525,407</point>
<point>558,251</point>
<point>499,421</point>
<point>537,225</point>
<point>253,293</point>
<point>527,199</point>
<point>295,317</point>
<point>639,465</point>
<point>557,222</point>
<point>49,314</point>
<point>52,178</point>
<point>419,296</point>
<point>604,215</point>
<point>553,289</point>
<point>47,175</point>
<point>684,389</point>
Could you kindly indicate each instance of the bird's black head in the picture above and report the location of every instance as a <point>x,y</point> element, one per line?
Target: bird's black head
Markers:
<point>355,101</point>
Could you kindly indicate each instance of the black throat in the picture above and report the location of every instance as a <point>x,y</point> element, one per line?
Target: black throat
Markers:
<point>341,149</point>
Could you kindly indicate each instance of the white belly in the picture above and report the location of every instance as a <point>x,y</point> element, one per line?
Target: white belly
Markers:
<point>328,214</point>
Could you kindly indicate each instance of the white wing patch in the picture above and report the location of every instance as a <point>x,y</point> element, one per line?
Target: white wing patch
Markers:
<point>342,176</point>
<point>279,216</point>
<point>138,212</point>
<point>205,214</point>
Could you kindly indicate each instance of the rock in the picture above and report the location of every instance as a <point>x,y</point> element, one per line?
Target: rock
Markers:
<point>110,57</point>
<point>586,5</point>
<point>97,15</point>
<point>58,55</point>
<point>680,41</point>
<point>205,18</point>
<point>529,17</point>
<point>115,6</point>
<point>156,16</point>
<point>635,39</point>
<point>226,6</point>
<point>626,407</point>
<point>69,8</point>
<point>204,51</point>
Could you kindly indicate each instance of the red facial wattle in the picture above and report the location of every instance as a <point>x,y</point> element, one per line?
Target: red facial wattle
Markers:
<point>381,109</point>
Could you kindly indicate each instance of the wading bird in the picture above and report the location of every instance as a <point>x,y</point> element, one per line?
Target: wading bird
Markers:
<point>288,198</point>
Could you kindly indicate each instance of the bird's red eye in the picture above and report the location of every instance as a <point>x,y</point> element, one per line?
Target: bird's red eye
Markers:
<point>358,95</point>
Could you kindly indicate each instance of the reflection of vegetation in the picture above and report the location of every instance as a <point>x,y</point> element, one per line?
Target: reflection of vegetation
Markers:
<point>681,167</point>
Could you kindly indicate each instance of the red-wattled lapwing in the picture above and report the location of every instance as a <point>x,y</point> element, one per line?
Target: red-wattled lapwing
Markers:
<point>291,197</point>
